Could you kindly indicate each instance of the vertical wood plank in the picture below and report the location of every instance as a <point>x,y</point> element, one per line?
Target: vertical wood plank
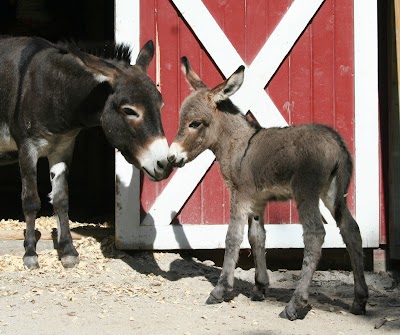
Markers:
<point>279,90</point>
<point>322,40</point>
<point>344,79</point>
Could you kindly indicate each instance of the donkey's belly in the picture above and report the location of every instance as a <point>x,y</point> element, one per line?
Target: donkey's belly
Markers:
<point>7,158</point>
<point>7,143</point>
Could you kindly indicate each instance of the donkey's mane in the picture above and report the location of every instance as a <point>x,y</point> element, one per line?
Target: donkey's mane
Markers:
<point>107,50</point>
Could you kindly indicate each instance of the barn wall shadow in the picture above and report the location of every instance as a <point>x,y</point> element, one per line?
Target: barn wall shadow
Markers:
<point>89,21</point>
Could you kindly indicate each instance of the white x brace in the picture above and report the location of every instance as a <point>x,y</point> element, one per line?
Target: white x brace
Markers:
<point>156,232</point>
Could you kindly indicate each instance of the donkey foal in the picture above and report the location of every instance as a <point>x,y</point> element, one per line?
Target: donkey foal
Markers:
<point>305,163</point>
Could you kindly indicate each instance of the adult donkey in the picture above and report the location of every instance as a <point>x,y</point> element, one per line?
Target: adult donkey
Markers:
<point>305,162</point>
<point>48,93</point>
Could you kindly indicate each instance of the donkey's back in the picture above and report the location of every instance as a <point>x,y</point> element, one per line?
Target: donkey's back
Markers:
<point>41,91</point>
<point>15,55</point>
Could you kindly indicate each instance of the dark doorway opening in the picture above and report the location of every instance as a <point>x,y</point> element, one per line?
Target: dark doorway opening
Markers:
<point>91,182</point>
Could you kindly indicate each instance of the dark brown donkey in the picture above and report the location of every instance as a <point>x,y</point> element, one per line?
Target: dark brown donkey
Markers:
<point>305,162</point>
<point>48,93</point>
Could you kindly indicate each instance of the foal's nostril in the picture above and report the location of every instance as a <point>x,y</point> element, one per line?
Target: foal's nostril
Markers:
<point>171,159</point>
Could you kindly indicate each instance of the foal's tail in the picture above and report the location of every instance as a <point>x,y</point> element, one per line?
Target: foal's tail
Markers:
<point>344,170</point>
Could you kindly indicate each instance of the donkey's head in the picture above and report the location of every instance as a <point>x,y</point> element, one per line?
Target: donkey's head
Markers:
<point>131,117</point>
<point>199,117</point>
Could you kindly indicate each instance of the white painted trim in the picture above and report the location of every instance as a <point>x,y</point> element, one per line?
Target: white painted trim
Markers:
<point>366,119</point>
<point>251,95</point>
<point>127,24</point>
<point>194,237</point>
<point>127,177</point>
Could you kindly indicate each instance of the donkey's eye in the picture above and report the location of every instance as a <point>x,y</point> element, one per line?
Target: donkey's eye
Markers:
<point>130,112</point>
<point>194,124</point>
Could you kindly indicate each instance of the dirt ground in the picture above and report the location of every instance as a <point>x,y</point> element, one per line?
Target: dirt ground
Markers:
<point>144,292</point>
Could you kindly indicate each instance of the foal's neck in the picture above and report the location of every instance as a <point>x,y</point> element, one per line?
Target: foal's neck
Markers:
<point>234,132</point>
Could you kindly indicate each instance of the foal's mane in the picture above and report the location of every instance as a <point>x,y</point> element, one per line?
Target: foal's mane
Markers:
<point>227,106</point>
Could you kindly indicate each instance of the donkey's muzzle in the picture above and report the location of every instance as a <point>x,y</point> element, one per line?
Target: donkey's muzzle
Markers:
<point>154,160</point>
<point>163,170</point>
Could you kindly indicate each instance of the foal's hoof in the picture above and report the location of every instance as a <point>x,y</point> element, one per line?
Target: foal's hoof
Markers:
<point>213,300</point>
<point>288,313</point>
<point>69,261</point>
<point>292,313</point>
<point>31,262</point>
<point>358,308</point>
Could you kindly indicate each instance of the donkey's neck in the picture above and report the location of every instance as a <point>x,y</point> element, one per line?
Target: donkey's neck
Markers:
<point>90,111</point>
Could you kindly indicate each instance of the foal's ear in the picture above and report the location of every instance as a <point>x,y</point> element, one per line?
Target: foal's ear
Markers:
<point>145,56</point>
<point>191,77</point>
<point>224,90</point>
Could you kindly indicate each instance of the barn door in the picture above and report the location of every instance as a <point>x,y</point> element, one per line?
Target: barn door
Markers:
<point>306,61</point>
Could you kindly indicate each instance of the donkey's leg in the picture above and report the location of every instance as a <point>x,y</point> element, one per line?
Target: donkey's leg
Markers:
<point>313,237</point>
<point>352,238</point>
<point>59,168</point>
<point>257,242</point>
<point>30,201</point>
<point>234,238</point>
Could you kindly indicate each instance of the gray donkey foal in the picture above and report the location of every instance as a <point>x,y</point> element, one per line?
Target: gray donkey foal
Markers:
<point>305,163</point>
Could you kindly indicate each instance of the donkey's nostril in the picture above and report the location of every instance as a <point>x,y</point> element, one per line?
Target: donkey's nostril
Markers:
<point>160,164</point>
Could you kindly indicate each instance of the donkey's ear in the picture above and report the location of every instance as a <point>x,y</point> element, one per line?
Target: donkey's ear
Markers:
<point>191,77</point>
<point>145,56</point>
<point>102,70</point>
<point>229,86</point>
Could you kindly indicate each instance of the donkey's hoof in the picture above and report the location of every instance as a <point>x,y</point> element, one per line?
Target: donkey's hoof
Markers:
<point>69,261</point>
<point>289,313</point>
<point>31,262</point>
<point>213,300</point>
<point>258,293</point>
<point>358,308</point>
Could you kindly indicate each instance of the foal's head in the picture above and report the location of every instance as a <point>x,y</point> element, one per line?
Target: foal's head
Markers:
<point>199,115</point>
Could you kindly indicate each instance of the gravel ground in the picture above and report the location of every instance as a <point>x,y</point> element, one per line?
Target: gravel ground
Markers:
<point>145,292</point>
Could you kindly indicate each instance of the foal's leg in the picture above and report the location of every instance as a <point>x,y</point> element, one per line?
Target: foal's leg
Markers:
<point>257,242</point>
<point>234,238</point>
<point>352,238</point>
<point>313,236</point>
<point>59,166</point>
<point>30,200</point>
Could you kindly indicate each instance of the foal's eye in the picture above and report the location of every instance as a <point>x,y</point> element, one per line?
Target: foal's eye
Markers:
<point>130,112</point>
<point>194,124</point>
